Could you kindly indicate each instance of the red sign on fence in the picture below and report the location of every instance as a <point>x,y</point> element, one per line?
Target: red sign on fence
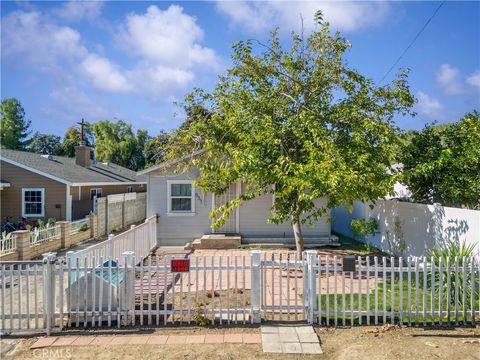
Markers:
<point>180,265</point>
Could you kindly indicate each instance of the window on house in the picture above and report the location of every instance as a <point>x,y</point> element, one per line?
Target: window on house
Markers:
<point>181,196</point>
<point>95,193</point>
<point>33,202</point>
<point>129,189</point>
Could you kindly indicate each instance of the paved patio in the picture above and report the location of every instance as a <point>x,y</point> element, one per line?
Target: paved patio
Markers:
<point>282,285</point>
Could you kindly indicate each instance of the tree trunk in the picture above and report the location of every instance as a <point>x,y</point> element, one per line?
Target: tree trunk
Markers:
<point>297,230</point>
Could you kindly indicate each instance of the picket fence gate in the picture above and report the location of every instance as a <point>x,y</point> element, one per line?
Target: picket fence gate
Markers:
<point>52,294</point>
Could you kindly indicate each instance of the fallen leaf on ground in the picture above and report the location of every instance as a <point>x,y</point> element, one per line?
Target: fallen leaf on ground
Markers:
<point>428,343</point>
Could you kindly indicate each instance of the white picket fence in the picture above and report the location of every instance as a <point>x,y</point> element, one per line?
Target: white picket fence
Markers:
<point>140,239</point>
<point>101,292</point>
<point>7,243</point>
<point>77,225</point>
<point>40,235</point>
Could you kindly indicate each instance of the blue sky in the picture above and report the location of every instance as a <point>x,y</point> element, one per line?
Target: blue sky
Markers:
<point>132,60</point>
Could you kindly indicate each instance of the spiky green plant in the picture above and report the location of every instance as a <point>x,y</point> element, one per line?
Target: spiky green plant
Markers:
<point>451,255</point>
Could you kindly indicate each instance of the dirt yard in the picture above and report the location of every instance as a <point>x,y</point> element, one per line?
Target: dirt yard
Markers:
<point>350,343</point>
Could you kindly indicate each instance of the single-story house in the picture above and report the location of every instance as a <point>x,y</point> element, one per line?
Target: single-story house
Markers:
<point>37,186</point>
<point>184,210</point>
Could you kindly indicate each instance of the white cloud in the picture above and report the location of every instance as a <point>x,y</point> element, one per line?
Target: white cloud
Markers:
<point>28,39</point>
<point>104,74</point>
<point>449,80</point>
<point>76,10</point>
<point>258,17</point>
<point>167,46</point>
<point>170,38</point>
<point>428,106</point>
<point>157,82</point>
<point>474,79</point>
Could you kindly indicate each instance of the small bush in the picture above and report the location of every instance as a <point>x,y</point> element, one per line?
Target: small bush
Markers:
<point>364,228</point>
<point>82,228</point>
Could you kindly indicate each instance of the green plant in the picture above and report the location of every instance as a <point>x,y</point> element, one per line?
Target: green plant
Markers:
<point>198,315</point>
<point>451,255</point>
<point>396,241</point>
<point>83,227</point>
<point>364,228</point>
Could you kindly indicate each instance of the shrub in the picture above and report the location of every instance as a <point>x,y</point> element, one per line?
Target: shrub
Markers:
<point>448,253</point>
<point>364,228</point>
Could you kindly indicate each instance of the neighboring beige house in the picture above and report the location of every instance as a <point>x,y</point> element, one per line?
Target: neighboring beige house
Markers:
<point>46,186</point>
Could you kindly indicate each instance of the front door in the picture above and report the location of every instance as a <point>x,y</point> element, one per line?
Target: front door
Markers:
<point>231,225</point>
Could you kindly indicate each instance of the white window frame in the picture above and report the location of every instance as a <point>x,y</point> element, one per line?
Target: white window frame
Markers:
<point>129,189</point>
<point>171,212</point>
<point>97,190</point>
<point>42,214</point>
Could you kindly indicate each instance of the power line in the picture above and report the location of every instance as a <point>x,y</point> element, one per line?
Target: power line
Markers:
<point>413,41</point>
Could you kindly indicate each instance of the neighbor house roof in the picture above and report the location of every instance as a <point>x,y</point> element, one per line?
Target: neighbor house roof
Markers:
<point>64,169</point>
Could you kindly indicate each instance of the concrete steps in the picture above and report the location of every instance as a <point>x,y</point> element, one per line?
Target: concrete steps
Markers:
<point>233,241</point>
<point>216,241</point>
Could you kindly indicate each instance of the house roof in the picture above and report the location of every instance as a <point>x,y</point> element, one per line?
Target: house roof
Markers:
<point>165,165</point>
<point>64,169</point>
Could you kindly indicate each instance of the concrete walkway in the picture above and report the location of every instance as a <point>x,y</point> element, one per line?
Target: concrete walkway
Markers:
<point>290,339</point>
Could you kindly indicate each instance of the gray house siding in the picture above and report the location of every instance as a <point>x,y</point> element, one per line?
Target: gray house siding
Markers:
<point>177,230</point>
<point>253,215</point>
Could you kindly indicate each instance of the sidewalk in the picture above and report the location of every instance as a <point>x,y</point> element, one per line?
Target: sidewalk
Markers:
<point>103,340</point>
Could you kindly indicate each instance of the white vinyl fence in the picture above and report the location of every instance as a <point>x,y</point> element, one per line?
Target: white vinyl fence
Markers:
<point>140,239</point>
<point>99,292</point>
<point>40,235</point>
<point>409,229</point>
<point>7,243</point>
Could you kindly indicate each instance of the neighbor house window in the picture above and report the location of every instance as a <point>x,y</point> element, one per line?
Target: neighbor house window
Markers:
<point>181,196</point>
<point>129,189</point>
<point>95,193</point>
<point>33,202</point>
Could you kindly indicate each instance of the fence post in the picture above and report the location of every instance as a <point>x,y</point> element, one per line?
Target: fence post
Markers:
<point>93,225</point>
<point>311,291</point>
<point>109,253</point>
<point>49,289</point>
<point>129,288</point>
<point>134,234</point>
<point>64,227</point>
<point>255,282</point>
<point>21,239</point>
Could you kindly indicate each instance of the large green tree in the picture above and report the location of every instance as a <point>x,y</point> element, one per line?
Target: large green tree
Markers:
<point>73,137</point>
<point>442,163</point>
<point>45,144</point>
<point>116,142</point>
<point>156,148</point>
<point>14,128</point>
<point>297,123</point>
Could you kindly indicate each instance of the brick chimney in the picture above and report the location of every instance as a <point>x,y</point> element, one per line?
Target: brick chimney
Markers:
<point>82,155</point>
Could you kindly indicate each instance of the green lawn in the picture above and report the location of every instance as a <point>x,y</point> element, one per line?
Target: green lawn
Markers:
<point>400,301</point>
